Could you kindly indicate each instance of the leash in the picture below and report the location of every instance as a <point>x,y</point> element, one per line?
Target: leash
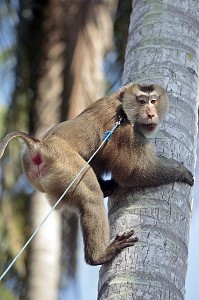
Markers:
<point>106,137</point>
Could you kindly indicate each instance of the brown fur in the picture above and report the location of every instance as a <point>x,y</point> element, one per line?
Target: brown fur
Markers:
<point>51,163</point>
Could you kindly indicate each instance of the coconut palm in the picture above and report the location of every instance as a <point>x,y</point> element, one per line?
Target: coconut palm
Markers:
<point>162,48</point>
<point>59,71</point>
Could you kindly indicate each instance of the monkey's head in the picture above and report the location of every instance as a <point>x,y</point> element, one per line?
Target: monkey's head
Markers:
<point>145,106</point>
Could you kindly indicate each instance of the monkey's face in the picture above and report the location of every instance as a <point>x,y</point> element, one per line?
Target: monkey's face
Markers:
<point>145,107</point>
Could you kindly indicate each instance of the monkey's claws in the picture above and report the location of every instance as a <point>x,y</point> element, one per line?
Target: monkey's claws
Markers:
<point>189,178</point>
<point>186,175</point>
<point>124,240</point>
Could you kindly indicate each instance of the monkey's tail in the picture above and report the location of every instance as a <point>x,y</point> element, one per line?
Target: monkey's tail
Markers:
<point>30,142</point>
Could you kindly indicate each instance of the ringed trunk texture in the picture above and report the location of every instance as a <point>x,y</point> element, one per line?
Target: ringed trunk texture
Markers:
<point>162,48</point>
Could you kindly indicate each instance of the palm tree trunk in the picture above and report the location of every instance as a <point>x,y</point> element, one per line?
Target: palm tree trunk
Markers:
<point>162,48</point>
<point>94,39</point>
<point>87,42</point>
<point>45,250</point>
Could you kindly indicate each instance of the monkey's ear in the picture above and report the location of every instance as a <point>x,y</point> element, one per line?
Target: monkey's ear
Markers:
<point>122,91</point>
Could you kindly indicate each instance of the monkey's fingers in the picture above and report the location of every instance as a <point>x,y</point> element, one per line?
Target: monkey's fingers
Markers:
<point>125,240</point>
<point>190,179</point>
<point>186,175</point>
<point>127,244</point>
<point>125,235</point>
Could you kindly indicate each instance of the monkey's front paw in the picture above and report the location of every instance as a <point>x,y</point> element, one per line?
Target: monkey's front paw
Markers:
<point>125,240</point>
<point>190,179</point>
<point>186,175</point>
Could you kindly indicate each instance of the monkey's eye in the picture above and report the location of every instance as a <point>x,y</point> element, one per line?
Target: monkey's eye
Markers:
<point>153,101</point>
<point>143,100</point>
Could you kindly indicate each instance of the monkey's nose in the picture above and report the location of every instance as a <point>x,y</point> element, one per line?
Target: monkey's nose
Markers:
<point>151,115</point>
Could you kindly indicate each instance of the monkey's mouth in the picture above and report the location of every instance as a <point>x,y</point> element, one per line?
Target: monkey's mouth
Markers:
<point>149,127</point>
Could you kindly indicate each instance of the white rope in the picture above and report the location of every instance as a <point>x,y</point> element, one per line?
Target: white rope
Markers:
<point>106,138</point>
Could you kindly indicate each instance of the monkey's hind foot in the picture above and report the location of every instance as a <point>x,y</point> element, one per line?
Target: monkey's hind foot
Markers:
<point>119,243</point>
<point>123,241</point>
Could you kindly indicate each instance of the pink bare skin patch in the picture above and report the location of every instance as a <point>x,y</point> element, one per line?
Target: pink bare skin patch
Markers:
<point>38,167</point>
<point>37,159</point>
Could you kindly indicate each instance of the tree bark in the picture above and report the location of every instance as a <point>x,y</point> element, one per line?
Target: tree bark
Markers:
<point>162,48</point>
<point>45,250</point>
<point>94,40</point>
<point>87,43</point>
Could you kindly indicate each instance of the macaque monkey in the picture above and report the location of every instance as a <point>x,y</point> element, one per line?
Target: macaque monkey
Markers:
<point>51,163</point>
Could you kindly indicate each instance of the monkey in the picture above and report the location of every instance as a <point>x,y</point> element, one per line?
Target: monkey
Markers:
<point>52,162</point>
